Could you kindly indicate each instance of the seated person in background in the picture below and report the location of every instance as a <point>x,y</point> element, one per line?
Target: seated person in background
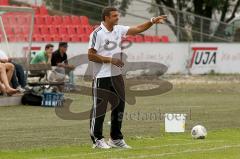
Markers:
<point>6,72</point>
<point>60,59</point>
<point>18,79</point>
<point>43,57</point>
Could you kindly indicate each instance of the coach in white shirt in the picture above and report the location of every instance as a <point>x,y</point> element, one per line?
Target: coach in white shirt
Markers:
<point>107,75</point>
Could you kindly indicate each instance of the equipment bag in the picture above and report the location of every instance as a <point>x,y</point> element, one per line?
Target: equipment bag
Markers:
<point>29,98</point>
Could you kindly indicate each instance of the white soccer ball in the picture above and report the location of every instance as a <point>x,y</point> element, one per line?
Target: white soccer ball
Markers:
<point>199,132</point>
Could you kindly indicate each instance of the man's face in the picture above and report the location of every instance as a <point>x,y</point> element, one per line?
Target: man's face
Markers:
<point>49,51</point>
<point>113,18</point>
<point>63,49</point>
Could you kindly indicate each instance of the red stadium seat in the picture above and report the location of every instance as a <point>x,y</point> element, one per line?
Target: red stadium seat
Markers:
<point>71,30</point>
<point>28,19</point>
<point>37,38</point>
<point>56,38</point>
<point>9,30</point>
<point>36,30</point>
<point>12,20</point>
<point>44,30</point>
<point>39,20</point>
<point>17,29</point>
<point>36,10</point>
<point>65,38</point>
<point>88,29</point>
<point>28,38</point>
<point>25,30</point>
<point>43,10</point>
<point>165,39</point>
<point>62,29</point>
<point>84,38</point>
<point>76,20</point>
<point>57,20</point>
<point>48,19</point>
<point>84,20</point>
<point>11,38</point>
<point>80,30</point>
<point>20,38</point>
<point>74,38</point>
<point>21,20</point>
<point>67,20</point>
<point>53,29</point>
<point>5,20</point>
<point>47,38</point>
<point>139,38</point>
<point>4,3</point>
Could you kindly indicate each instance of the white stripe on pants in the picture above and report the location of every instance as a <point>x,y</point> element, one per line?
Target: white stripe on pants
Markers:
<point>94,106</point>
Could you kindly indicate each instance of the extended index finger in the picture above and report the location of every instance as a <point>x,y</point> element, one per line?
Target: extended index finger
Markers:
<point>162,17</point>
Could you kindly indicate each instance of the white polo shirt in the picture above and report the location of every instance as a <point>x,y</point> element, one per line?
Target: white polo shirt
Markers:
<point>107,44</point>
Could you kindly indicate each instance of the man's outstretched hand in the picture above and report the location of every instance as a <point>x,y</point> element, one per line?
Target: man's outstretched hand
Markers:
<point>159,20</point>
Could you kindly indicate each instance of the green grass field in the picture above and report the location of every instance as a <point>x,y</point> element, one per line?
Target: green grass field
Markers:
<point>38,133</point>
<point>219,144</point>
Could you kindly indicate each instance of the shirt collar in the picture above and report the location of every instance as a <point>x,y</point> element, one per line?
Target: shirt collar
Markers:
<point>104,28</point>
<point>59,53</point>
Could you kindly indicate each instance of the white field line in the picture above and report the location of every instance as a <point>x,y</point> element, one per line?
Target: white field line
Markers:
<point>181,152</point>
<point>118,150</point>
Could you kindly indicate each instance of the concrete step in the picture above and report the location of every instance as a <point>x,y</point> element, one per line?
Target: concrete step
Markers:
<point>10,100</point>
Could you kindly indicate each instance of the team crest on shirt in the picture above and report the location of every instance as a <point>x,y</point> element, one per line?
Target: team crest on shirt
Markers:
<point>109,45</point>
<point>107,42</point>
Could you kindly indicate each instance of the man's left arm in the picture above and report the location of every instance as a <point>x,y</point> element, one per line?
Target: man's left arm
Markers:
<point>145,26</point>
<point>49,58</point>
<point>67,65</point>
<point>71,67</point>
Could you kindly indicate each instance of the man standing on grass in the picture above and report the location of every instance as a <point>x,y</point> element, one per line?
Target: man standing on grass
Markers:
<point>107,75</point>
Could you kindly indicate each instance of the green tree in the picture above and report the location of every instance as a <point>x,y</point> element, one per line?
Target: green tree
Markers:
<point>203,8</point>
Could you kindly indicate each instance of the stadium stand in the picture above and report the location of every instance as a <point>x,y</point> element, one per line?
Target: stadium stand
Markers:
<point>48,28</point>
<point>4,2</point>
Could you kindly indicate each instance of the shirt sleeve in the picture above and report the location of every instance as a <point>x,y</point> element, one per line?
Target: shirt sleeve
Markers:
<point>37,58</point>
<point>40,58</point>
<point>65,59</point>
<point>53,60</point>
<point>123,30</point>
<point>94,41</point>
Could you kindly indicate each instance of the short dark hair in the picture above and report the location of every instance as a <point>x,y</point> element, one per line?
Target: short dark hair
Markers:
<point>48,46</point>
<point>106,11</point>
<point>62,44</point>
